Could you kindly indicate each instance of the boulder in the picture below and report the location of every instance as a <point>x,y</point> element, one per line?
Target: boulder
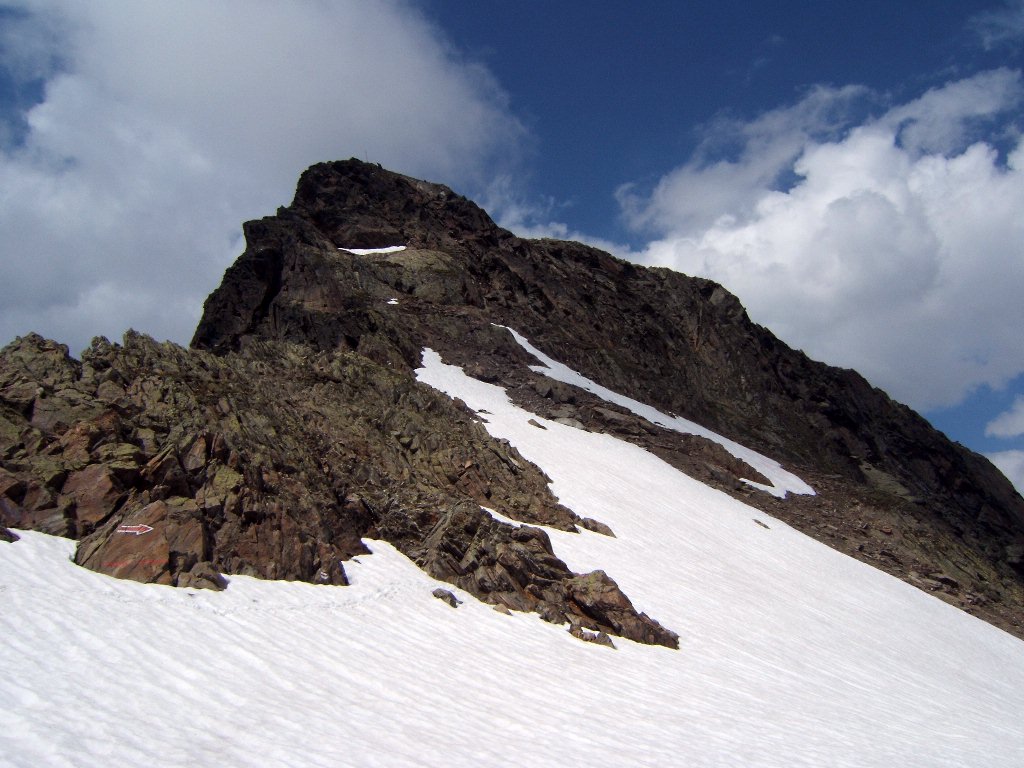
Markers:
<point>447,596</point>
<point>159,542</point>
<point>597,526</point>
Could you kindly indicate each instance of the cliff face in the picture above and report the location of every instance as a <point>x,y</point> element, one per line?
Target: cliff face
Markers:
<point>294,428</point>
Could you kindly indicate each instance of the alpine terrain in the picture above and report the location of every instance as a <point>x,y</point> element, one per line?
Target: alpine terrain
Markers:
<point>536,505</point>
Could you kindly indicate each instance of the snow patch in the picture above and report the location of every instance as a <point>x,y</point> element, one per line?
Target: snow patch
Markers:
<point>366,251</point>
<point>782,481</point>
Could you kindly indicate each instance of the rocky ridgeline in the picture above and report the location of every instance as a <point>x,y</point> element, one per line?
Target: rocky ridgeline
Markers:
<point>175,466</point>
<point>294,428</point>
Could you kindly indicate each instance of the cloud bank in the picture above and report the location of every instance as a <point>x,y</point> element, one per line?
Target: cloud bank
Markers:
<point>163,126</point>
<point>1009,423</point>
<point>893,245</point>
<point>1011,464</point>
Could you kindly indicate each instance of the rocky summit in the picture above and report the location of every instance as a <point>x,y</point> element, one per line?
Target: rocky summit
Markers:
<point>295,428</point>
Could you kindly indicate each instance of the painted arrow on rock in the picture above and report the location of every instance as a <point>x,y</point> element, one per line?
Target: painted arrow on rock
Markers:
<point>136,530</point>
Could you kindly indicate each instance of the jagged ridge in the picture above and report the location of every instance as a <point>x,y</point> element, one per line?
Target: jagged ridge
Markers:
<point>172,466</point>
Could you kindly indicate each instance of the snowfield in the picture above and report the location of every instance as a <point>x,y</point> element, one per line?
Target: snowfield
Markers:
<point>791,654</point>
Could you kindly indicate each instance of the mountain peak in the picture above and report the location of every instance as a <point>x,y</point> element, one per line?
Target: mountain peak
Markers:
<point>362,205</point>
<point>682,344</point>
<point>296,428</point>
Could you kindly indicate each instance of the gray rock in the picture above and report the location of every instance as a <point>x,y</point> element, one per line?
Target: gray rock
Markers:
<point>597,526</point>
<point>202,576</point>
<point>447,596</point>
<point>599,638</point>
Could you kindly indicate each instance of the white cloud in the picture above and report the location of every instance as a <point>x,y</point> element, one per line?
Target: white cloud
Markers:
<point>697,194</point>
<point>898,250</point>
<point>942,120</point>
<point>1009,423</point>
<point>164,126</point>
<point>536,218</point>
<point>1011,464</point>
<point>1001,26</point>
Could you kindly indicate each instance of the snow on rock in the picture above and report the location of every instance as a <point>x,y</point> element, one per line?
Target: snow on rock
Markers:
<point>365,251</point>
<point>783,482</point>
<point>790,653</point>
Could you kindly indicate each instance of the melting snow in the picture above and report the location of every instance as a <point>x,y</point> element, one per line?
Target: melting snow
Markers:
<point>791,654</point>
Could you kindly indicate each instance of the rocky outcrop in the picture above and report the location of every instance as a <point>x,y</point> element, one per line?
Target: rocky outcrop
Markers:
<point>174,466</point>
<point>516,567</point>
<point>294,429</point>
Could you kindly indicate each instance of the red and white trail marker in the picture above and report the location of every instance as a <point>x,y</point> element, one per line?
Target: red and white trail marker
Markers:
<point>135,530</point>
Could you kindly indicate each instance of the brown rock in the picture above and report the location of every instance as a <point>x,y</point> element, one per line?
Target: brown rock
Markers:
<point>122,459</point>
<point>11,486</point>
<point>599,638</point>
<point>95,493</point>
<point>195,459</point>
<point>202,576</point>
<point>76,444</point>
<point>155,543</point>
<point>596,596</point>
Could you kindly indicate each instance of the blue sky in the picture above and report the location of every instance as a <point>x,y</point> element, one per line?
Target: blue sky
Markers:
<point>614,92</point>
<point>853,172</point>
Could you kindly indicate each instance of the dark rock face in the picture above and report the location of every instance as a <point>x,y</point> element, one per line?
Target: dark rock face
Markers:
<point>294,427</point>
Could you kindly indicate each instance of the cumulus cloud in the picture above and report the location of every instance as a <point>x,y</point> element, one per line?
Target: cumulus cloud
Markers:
<point>737,162</point>
<point>163,126</point>
<point>894,246</point>
<point>1011,464</point>
<point>1009,423</point>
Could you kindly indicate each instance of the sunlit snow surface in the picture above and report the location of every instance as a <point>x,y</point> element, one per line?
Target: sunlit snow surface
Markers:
<point>790,653</point>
